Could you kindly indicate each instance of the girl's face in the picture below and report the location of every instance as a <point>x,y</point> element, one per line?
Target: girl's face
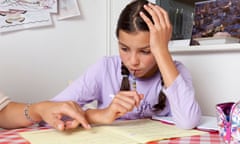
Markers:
<point>134,50</point>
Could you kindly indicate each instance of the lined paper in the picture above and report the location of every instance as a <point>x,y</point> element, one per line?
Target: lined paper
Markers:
<point>130,132</point>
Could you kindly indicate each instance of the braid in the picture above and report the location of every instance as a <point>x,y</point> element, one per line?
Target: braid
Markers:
<point>125,86</point>
<point>161,99</point>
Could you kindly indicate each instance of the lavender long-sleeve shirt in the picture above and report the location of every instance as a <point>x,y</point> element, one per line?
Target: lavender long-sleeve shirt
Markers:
<point>102,81</point>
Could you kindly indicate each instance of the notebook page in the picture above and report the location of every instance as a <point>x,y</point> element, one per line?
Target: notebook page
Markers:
<point>130,132</point>
<point>149,130</point>
<point>97,135</point>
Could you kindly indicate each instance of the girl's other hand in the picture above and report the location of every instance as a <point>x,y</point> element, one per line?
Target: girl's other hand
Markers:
<point>123,102</point>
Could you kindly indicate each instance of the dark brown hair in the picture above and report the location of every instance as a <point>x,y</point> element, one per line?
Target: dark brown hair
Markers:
<point>125,86</point>
<point>130,22</point>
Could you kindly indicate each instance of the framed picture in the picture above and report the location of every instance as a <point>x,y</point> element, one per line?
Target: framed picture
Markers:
<point>216,22</point>
<point>181,13</point>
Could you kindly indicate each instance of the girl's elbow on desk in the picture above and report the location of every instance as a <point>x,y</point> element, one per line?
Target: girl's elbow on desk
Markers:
<point>186,125</point>
<point>189,123</point>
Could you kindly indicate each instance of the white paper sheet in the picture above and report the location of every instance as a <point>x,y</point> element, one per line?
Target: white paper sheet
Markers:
<point>206,122</point>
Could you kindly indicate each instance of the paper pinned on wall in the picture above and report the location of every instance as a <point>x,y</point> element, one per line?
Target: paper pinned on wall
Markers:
<point>15,19</point>
<point>50,6</point>
<point>68,9</point>
<point>23,14</point>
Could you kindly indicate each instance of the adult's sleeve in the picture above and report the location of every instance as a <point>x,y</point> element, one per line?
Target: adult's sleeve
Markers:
<point>4,100</point>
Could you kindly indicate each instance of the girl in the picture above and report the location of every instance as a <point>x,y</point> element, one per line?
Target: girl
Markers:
<point>159,85</point>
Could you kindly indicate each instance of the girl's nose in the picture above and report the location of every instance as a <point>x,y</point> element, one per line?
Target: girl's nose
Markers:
<point>134,60</point>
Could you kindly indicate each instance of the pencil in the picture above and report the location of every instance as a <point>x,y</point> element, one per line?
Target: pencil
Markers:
<point>134,85</point>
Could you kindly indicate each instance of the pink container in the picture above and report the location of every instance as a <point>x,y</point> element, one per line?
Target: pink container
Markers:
<point>228,120</point>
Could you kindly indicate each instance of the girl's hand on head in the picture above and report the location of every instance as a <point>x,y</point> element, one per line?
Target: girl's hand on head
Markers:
<point>160,29</point>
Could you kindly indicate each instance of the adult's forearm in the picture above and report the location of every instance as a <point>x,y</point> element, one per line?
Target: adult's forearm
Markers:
<point>12,116</point>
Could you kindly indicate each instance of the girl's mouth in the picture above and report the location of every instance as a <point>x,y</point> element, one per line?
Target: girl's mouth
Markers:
<point>135,72</point>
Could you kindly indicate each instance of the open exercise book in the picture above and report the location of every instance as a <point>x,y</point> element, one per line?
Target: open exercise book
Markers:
<point>124,132</point>
<point>207,123</point>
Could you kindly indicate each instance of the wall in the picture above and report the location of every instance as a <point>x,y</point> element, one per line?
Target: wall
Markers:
<point>215,76</point>
<point>36,64</point>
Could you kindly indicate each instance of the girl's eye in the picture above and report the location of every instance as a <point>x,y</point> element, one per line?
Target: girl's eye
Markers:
<point>146,52</point>
<point>124,49</point>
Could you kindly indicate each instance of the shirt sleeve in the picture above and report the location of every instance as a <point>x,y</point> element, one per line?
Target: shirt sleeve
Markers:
<point>185,109</point>
<point>4,100</point>
<point>84,89</point>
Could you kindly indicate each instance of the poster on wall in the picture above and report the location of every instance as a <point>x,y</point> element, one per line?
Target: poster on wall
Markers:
<point>24,14</point>
<point>216,22</point>
<point>68,9</point>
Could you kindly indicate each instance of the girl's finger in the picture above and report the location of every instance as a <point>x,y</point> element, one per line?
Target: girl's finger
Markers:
<point>118,109</point>
<point>156,14</point>
<point>147,21</point>
<point>150,9</point>
<point>126,102</point>
<point>132,96</point>
<point>164,14</point>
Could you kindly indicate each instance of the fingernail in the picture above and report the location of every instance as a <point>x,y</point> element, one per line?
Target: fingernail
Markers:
<point>60,127</point>
<point>89,126</point>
